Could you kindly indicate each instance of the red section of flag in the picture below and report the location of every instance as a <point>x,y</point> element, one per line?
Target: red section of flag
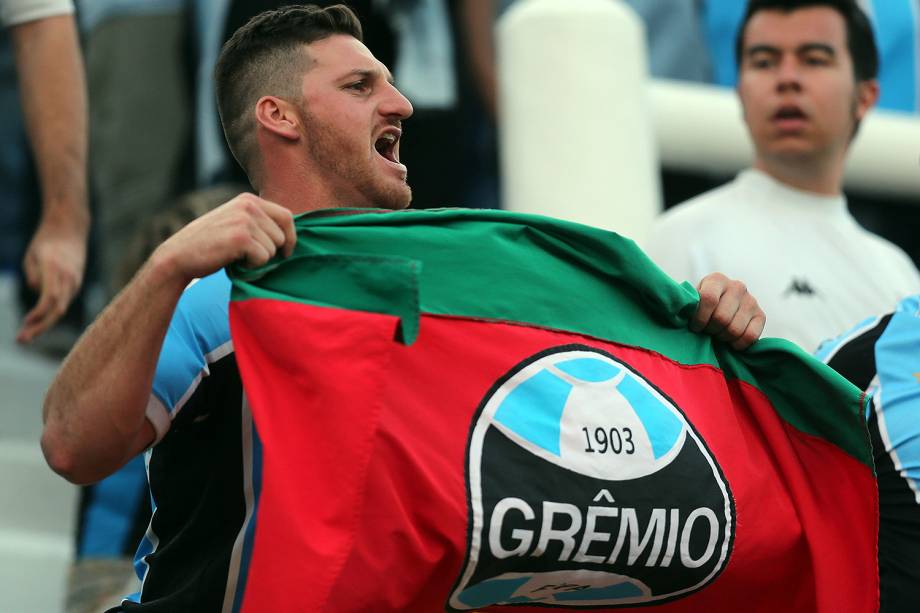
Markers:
<point>315,385</point>
<point>364,501</point>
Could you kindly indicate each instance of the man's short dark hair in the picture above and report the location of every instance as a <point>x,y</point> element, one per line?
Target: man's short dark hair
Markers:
<point>860,39</point>
<point>267,57</point>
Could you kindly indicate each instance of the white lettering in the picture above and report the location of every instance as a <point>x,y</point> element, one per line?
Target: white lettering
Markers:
<point>524,538</point>
<point>685,556</point>
<point>605,495</point>
<point>673,529</point>
<point>592,536</point>
<point>629,522</point>
<point>656,523</point>
<point>662,539</point>
<point>566,536</point>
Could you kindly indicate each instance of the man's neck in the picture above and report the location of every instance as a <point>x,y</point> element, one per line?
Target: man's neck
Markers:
<point>825,178</point>
<point>296,195</point>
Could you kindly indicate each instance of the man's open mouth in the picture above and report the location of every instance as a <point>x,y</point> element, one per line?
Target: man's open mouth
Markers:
<point>789,112</point>
<point>386,146</point>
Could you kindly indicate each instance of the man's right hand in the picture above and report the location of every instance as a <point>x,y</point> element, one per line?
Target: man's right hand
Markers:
<point>53,266</point>
<point>247,228</point>
<point>95,410</point>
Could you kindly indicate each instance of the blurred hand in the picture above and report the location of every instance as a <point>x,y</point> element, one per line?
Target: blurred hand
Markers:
<point>53,267</point>
<point>246,228</point>
<point>728,311</point>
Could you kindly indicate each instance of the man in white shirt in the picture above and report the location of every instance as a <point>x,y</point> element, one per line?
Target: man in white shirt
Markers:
<point>53,92</point>
<point>807,77</point>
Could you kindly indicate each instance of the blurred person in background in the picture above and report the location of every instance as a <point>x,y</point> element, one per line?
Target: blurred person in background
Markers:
<point>138,54</point>
<point>114,513</point>
<point>428,70</point>
<point>896,27</point>
<point>807,77</point>
<point>881,356</point>
<point>316,121</point>
<point>53,96</point>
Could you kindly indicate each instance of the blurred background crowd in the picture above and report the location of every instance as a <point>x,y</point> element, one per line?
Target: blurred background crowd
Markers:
<point>154,134</point>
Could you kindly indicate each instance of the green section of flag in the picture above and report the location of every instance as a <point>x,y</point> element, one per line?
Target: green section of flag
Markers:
<point>531,269</point>
<point>376,283</point>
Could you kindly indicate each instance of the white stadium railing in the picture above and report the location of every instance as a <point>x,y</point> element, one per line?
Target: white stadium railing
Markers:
<point>575,126</point>
<point>699,128</point>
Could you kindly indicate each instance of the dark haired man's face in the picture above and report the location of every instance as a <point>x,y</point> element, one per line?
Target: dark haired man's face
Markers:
<point>796,84</point>
<point>352,118</point>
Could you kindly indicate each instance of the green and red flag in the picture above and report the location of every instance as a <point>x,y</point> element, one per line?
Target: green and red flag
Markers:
<point>478,410</point>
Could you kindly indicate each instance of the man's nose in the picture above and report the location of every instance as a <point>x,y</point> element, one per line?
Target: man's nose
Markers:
<point>788,75</point>
<point>395,104</point>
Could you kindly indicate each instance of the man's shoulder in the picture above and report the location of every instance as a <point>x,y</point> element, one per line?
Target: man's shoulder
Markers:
<point>889,258</point>
<point>206,297</point>
<point>215,285</point>
<point>852,353</point>
<point>700,207</point>
<point>201,322</point>
<point>696,214</point>
<point>720,195</point>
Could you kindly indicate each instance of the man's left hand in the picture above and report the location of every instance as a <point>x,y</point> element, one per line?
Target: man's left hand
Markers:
<point>728,311</point>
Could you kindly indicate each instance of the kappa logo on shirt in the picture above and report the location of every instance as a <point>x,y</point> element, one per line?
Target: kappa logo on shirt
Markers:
<point>801,287</point>
<point>579,491</point>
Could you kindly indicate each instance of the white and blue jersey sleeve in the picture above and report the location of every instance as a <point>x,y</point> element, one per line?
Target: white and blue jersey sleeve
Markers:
<point>198,335</point>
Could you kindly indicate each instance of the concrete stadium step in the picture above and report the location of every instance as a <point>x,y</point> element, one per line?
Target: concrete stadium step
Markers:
<point>36,500</point>
<point>23,380</point>
<point>36,530</point>
<point>24,375</point>
<point>33,572</point>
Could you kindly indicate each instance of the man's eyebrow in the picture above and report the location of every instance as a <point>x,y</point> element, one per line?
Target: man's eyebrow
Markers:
<point>823,47</point>
<point>368,73</point>
<point>361,73</point>
<point>762,48</point>
<point>803,48</point>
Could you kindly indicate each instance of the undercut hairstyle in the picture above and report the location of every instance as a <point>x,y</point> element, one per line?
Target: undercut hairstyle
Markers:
<point>860,38</point>
<point>267,57</point>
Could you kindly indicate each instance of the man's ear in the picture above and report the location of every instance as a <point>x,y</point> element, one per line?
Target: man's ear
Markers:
<point>867,93</point>
<point>278,116</point>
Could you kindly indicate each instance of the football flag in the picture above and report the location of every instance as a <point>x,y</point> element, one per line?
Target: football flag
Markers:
<point>486,411</point>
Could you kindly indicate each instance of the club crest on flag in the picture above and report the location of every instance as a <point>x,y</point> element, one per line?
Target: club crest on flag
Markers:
<point>587,487</point>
